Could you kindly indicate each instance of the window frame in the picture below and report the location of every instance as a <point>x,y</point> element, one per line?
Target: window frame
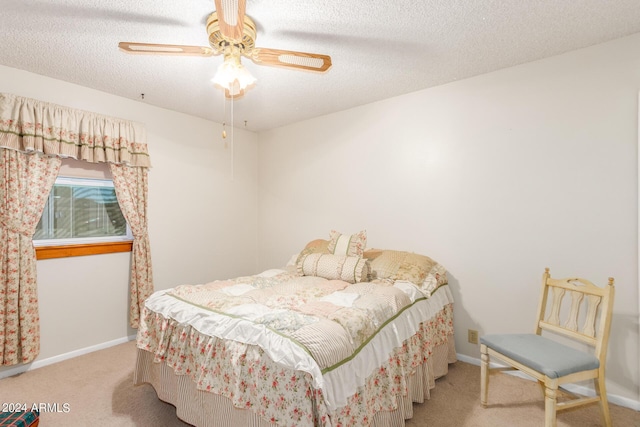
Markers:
<point>81,246</point>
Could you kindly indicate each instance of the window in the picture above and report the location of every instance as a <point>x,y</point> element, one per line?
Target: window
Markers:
<point>82,212</point>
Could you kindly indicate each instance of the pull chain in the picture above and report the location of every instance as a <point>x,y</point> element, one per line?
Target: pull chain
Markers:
<point>232,141</point>
<point>224,118</point>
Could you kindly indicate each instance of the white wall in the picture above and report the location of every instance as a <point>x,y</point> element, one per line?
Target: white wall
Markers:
<point>202,220</point>
<point>496,177</point>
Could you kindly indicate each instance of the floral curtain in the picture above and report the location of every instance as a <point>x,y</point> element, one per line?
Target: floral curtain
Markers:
<point>131,189</point>
<point>34,135</point>
<point>25,182</point>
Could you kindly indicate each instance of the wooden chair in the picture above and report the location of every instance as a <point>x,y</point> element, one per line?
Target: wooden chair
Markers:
<point>551,362</point>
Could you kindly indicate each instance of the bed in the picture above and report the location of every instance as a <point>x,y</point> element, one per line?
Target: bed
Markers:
<point>341,336</point>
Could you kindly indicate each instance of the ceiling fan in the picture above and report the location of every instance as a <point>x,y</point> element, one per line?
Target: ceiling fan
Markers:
<point>232,33</point>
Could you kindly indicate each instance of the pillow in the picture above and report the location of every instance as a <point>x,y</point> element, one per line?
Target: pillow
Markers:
<point>349,245</point>
<point>318,246</point>
<point>334,267</point>
<point>292,261</point>
<point>420,270</point>
<point>435,278</point>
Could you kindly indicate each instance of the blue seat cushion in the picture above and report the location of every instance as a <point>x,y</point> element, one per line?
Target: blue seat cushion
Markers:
<point>541,354</point>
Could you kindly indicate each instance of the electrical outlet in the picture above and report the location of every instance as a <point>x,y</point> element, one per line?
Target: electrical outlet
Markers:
<point>473,336</point>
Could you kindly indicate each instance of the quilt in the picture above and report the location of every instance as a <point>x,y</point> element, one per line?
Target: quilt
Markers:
<point>299,349</point>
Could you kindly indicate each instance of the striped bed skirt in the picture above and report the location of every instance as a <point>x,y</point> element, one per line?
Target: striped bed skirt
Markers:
<point>206,409</point>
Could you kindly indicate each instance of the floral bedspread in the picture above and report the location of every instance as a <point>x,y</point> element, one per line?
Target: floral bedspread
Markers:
<point>334,333</point>
<point>330,319</point>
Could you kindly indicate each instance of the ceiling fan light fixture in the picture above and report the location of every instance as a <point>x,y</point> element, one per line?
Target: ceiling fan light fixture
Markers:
<point>232,76</point>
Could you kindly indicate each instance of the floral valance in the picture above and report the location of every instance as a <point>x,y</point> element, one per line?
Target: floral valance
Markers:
<point>31,125</point>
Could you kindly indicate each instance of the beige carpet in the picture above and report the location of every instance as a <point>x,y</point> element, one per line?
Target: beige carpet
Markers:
<point>99,391</point>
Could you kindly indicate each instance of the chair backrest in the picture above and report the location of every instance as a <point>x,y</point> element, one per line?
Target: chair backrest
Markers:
<point>597,301</point>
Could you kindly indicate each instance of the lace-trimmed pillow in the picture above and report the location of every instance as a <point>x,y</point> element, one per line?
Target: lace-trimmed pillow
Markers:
<point>349,245</point>
<point>334,267</point>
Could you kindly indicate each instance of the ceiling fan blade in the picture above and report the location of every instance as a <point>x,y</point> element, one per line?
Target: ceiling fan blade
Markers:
<point>231,18</point>
<point>291,59</point>
<point>165,49</point>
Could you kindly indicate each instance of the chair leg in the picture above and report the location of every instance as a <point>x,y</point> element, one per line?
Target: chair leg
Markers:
<point>484,375</point>
<point>601,391</point>
<point>543,387</point>
<point>550,400</point>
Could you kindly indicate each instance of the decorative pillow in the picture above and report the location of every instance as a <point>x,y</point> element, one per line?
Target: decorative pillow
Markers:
<point>399,265</point>
<point>318,246</point>
<point>349,245</point>
<point>435,278</point>
<point>334,267</point>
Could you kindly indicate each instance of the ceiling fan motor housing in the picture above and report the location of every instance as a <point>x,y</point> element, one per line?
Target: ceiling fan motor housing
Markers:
<point>222,44</point>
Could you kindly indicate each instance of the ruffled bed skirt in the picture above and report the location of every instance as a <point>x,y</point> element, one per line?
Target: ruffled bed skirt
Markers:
<point>206,409</point>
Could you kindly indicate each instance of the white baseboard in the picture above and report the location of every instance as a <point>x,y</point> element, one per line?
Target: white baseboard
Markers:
<point>59,358</point>
<point>586,391</point>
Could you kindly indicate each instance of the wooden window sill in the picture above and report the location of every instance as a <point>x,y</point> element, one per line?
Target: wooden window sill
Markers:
<point>65,251</point>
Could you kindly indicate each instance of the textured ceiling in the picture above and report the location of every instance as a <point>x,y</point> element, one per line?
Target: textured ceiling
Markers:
<point>379,49</point>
